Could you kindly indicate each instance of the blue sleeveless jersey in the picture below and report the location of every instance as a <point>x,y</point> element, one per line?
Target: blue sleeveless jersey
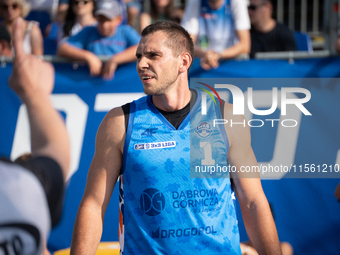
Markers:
<point>162,209</point>
<point>216,27</point>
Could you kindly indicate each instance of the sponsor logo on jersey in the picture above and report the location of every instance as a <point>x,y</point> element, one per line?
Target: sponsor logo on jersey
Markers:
<point>208,15</point>
<point>139,146</point>
<point>204,200</point>
<point>156,145</point>
<point>152,201</point>
<point>204,129</point>
<point>172,233</point>
<point>149,131</point>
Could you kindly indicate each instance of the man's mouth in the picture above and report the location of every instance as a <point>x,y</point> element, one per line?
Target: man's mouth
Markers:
<point>147,77</point>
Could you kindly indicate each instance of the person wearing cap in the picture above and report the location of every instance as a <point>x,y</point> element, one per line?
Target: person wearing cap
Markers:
<point>32,188</point>
<point>5,42</point>
<point>109,37</point>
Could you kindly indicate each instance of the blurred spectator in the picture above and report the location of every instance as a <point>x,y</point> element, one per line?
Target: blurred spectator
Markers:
<point>125,4</point>
<point>337,192</point>
<point>133,8</point>
<point>176,14</point>
<point>13,9</point>
<point>32,190</point>
<point>267,34</point>
<point>5,42</point>
<point>109,37</point>
<point>63,5</point>
<point>159,10</point>
<point>42,5</point>
<point>52,29</point>
<point>80,14</point>
<point>219,28</point>
<point>337,46</point>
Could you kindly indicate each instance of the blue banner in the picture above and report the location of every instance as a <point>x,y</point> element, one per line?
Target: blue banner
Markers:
<point>305,209</point>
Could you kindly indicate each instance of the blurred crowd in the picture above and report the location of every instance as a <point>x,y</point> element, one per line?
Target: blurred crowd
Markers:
<point>82,30</point>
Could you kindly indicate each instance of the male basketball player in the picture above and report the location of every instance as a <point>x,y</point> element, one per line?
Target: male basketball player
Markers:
<point>147,144</point>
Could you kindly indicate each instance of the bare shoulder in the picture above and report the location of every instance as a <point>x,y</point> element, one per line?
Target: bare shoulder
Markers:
<point>112,128</point>
<point>35,30</point>
<point>145,16</point>
<point>145,20</point>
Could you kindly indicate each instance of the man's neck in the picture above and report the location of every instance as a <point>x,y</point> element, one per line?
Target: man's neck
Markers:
<point>86,20</point>
<point>173,100</point>
<point>265,26</point>
<point>215,4</point>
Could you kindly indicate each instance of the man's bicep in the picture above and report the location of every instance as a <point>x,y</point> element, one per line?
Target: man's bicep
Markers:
<point>246,180</point>
<point>107,161</point>
<point>244,40</point>
<point>241,155</point>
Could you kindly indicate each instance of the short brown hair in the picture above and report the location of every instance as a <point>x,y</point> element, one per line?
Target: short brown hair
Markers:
<point>179,39</point>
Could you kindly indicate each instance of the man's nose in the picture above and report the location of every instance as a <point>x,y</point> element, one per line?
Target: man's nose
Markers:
<point>106,25</point>
<point>142,63</point>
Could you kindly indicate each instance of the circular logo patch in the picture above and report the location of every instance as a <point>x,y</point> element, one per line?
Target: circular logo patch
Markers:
<point>152,202</point>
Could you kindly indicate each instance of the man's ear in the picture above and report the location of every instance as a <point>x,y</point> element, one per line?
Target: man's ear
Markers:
<point>185,63</point>
<point>118,20</point>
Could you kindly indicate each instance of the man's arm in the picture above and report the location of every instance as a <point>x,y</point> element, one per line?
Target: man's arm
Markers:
<point>255,209</point>
<point>101,179</point>
<point>242,47</point>
<point>242,25</point>
<point>32,80</point>
<point>210,59</point>
<point>126,56</point>
<point>74,53</point>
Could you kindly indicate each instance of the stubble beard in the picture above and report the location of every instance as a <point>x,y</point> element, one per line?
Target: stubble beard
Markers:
<point>165,83</point>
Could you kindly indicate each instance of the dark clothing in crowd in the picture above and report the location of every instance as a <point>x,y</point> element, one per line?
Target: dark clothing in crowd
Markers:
<point>278,39</point>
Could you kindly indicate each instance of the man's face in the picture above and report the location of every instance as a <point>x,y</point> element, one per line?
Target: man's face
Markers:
<point>157,67</point>
<point>107,27</point>
<point>216,2</point>
<point>257,10</point>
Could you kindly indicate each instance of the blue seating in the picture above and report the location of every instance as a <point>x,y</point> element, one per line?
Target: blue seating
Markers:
<point>50,46</point>
<point>42,17</point>
<point>303,41</point>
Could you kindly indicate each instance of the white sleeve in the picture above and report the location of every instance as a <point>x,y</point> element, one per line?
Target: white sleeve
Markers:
<point>190,17</point>
<point>240,14</point>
